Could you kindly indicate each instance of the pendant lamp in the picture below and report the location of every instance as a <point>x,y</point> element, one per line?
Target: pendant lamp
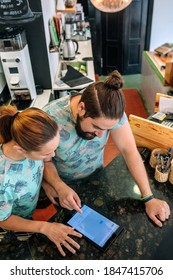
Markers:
<point>110,6</point>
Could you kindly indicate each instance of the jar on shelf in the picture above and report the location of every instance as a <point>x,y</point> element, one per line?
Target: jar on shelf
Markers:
<point>69,3</point>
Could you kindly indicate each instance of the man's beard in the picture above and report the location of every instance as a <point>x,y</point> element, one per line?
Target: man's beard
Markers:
<point>81,133</point>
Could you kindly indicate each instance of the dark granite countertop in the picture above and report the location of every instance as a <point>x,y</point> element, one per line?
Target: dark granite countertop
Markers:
<point>113,192</point>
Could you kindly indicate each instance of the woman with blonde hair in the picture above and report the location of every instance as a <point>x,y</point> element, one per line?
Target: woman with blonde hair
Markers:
<point>27,139</point>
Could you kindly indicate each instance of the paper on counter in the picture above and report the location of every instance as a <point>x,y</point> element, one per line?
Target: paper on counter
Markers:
<point>166,105</point>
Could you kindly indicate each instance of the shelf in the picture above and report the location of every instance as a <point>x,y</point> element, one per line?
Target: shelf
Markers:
<point>67,10</point>
<point>85,50</point>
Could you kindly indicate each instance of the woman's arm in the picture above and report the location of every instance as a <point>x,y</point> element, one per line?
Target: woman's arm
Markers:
<point>56,232</point>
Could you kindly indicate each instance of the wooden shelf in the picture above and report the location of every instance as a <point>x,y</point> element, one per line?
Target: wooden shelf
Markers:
<point>67,10</point>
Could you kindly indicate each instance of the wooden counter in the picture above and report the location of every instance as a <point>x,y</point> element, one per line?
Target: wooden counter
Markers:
<point>114,193</point>
<point>157,62</point>
<point>153,78</point>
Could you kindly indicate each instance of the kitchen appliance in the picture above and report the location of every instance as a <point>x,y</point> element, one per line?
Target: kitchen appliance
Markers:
<point>70,49</point>
<point>4,91</point>
<point>70,26</point>
<point>17,66</point>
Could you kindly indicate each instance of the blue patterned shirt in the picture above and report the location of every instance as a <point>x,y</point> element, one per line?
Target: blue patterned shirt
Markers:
<point>20,183</point>
<point>75,157</point>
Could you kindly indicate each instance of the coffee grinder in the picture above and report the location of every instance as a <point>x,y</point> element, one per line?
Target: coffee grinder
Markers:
<point>17,68</point>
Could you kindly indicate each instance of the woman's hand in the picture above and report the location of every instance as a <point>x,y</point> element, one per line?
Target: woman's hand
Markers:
<point>60,235</point>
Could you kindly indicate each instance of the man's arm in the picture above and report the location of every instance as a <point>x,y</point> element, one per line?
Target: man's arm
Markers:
<point>157,210</point>
<point>68,198</point>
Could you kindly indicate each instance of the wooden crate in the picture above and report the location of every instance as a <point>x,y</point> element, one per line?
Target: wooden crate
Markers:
<point>150,134</point>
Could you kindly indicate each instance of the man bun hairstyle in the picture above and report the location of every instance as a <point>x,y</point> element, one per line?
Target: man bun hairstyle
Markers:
<point>105,98</point>
<point>114,81</point>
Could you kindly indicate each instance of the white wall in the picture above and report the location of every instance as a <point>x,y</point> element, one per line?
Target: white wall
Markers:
<point>2,78</point>
<point>162,23</point>
<point>49,10</point>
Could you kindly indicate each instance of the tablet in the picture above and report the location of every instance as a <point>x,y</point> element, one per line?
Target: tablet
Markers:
<point>95,227</point>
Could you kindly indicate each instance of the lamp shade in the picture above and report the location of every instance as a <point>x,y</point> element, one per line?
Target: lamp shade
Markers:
<point>110,6</point>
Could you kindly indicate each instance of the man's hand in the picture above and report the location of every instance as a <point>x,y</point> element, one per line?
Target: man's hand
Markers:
<point>68,198</point>
<point>158,211</point>
<point>50,192</point>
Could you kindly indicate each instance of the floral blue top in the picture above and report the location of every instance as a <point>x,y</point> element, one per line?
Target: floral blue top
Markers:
<point>20,183</point>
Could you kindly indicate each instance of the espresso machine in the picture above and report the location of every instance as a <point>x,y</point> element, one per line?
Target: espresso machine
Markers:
<point>17,68</point>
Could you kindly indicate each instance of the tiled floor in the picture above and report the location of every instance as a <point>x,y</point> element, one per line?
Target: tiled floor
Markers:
<point>130,82</point>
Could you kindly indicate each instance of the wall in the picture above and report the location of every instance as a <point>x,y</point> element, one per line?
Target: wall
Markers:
<point>48,9</point>
<point>162,23</point>
<point>43,63</point>
<point>38,38</point>
<point>2,78</point>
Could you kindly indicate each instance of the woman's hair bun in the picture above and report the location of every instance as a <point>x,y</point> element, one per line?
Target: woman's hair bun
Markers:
<point>114,80</point>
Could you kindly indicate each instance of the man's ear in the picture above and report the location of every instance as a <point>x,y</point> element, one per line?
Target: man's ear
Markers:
<point>81,109</point>
<point>19,149</point>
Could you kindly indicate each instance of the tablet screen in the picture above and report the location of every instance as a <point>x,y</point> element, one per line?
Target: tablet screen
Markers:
<point>94,226</point>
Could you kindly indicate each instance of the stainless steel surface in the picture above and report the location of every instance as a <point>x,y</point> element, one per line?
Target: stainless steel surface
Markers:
<point>12,39</point>
<point>70,49</point>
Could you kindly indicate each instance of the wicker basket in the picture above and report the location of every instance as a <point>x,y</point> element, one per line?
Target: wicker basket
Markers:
<point>160,176</point>
<point>153,158</point>
<point>171,173</point>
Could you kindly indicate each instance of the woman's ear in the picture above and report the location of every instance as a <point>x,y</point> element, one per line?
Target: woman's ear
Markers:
<point>81,109</point>
<point>19,149</point>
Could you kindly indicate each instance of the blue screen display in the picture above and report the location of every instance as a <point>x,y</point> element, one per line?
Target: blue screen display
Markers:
<point>93,225</point>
